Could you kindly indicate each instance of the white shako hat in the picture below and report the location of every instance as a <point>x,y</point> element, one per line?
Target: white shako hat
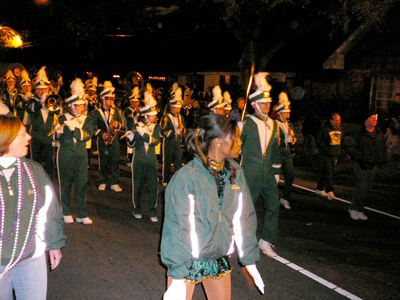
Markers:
<point>41,80</point>
<point>149,99</point>
<point>78,92</point>
<point>227,101</point>
<point>10,76</point>
<point>177,100</point>
<point>25,78</point>
<point>108,90</point>
<point>217,98</point>
<point>91,84</point>
<point>148,110</point>
<point>283,104</point>
<point>263,88</point>
<point>135,94</point>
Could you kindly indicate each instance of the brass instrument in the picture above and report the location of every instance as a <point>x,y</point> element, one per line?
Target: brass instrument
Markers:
<point>112,131</point>
<point>53,102</point>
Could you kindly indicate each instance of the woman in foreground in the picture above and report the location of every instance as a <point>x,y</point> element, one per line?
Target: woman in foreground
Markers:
<point>30,217</point>
<point>208,209</point>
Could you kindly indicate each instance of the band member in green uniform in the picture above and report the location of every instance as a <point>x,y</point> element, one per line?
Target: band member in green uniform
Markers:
<point>261,162</point>
<point>78,128</point>
<point>42,122</point>
<point>217,105</point>
<point>287,141</point>
<point>173,129</point>
<point>145,135</point>
<point>8,96</point>
<point>131,114</point>
<point>108,122</point>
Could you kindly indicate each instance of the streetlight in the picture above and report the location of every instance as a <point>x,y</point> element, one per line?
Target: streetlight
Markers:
<point>9,38</point>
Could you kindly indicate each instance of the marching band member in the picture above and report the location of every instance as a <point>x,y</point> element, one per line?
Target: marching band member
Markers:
<point>145,136</point>
<point>131,114</point>
<point>23,98</point>
<point>285,148</point>
<point>261,162</point>
<point>8,96</point>
<point>91,94</point>
<point>217,105</point>
<point>42,122</point>
<point>108,121</point>
<point>173,129</point>
<point>79,127</point>
<point>208,209</point>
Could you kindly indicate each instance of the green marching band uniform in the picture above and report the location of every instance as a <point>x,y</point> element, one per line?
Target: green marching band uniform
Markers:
<point>287,139</point>
<point>40,205</point>
<point>108,154</point>
<point>72,158</point>
<point>144,162</point>
<point>42,122</point>
<point>261,163</point>
<point>172,150</point>
<point>190,247</point>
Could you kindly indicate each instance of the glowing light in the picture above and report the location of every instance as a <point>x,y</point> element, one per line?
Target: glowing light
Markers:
<point>156,77</point>
<point>116,76</point>
<point>9,38</point>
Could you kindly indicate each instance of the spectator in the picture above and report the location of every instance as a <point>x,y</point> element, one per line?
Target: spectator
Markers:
<point>366,148</point>
<point>30,212</point>
<point>330,141</point>
<point>392,143</point>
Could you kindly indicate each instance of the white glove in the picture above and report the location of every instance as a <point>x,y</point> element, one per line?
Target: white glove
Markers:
<point>130,135</point>
<point>256,276</point>
<point>240,125</point>
<point>58,129</point>
<point>277,178</point>
<point>176,291</point>
<point>70,124</point>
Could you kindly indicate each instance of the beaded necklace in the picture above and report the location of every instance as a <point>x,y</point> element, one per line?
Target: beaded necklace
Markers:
<point>35,208</point>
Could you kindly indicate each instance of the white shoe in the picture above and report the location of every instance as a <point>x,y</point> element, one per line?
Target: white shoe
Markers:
<point>102,187</point>
<point>266,248</point>
<point>321,193</point>
<point>285,203</point>
<point>116,188</point>
<point>68,219</point>
<point>354,214</point>
<point>154,219</point>
<point>362,216</point>
<point>331,196</point>
<point>84,221</point>
<point>137,216</point>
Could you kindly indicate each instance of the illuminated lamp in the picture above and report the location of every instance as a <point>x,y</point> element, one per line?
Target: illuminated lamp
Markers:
<point>9,38</point>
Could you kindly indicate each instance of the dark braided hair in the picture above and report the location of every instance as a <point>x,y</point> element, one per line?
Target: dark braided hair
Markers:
<point>210,127</point>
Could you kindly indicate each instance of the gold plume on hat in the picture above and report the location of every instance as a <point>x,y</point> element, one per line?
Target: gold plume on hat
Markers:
<point>227,97</point>
<point>77,87</point>
<point>42,75</point>
<point>108,85</point>
<point>261,82</point>
<point>217,93</point>
<point>10,75</point>
<point>283,99</point>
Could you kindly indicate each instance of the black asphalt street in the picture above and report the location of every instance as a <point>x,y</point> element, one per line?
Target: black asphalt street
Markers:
<point>323,254</point>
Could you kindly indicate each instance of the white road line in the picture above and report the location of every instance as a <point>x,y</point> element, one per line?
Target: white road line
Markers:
<point>346,201</point>
<point>317,278</point>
